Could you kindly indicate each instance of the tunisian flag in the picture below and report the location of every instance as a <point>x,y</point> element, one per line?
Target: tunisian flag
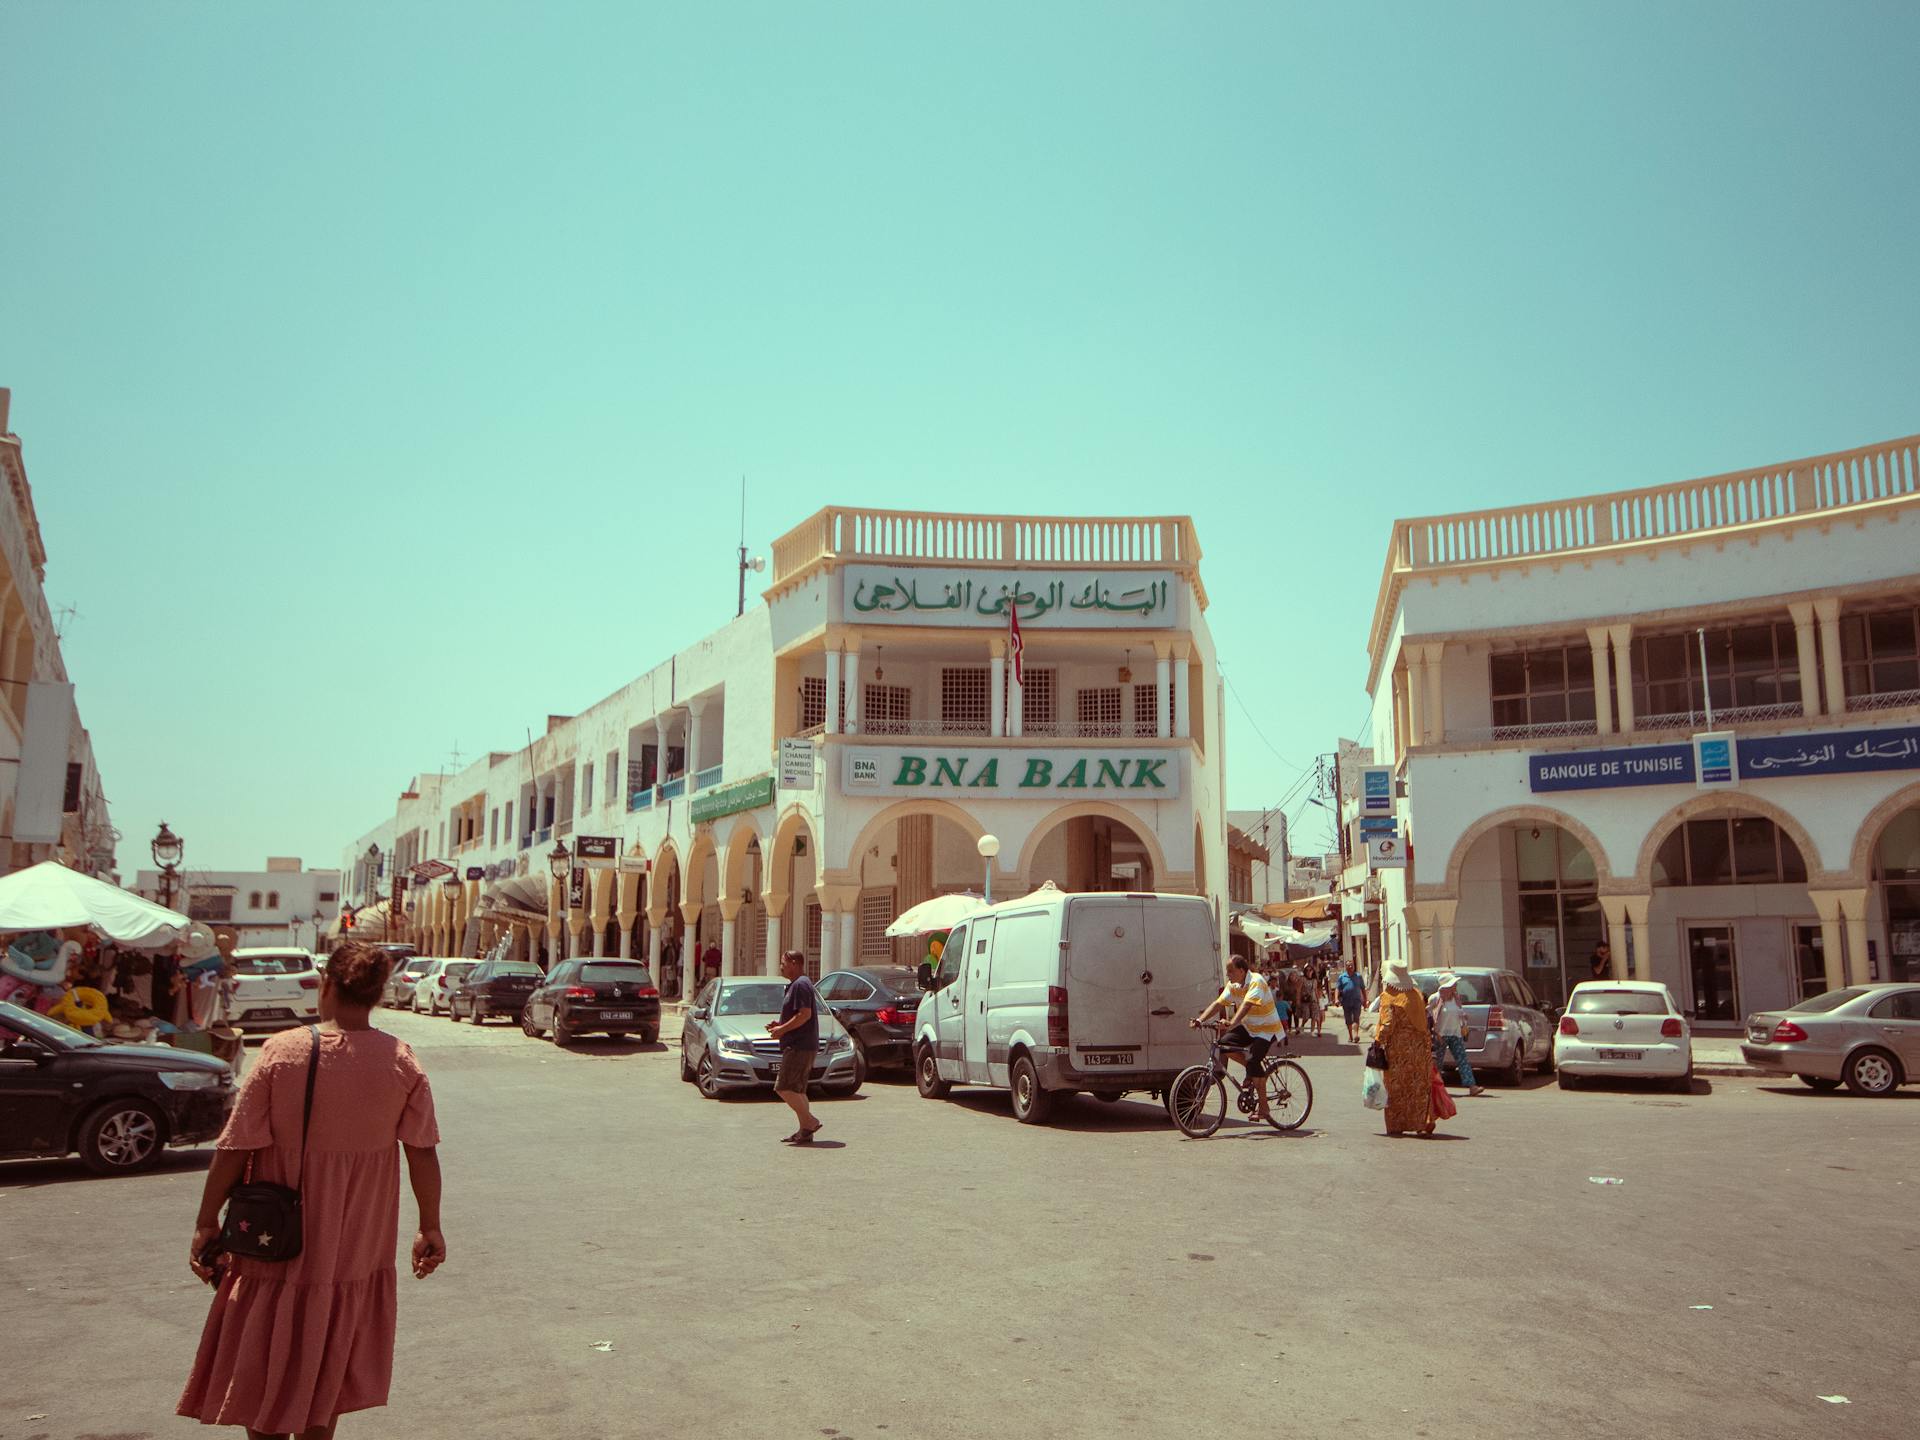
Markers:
<point>1014,643</point>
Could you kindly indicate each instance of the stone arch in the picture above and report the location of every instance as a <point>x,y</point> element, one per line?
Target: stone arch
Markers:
<point>1525,815</point>
<point>793,820</point>
<point>1860,865</point>
<point>1103,810</point>
<point>733,867</point>
<point>1721,803</point>
<point>693,873</point>
<point>940,809</point>
<point>666,867</point>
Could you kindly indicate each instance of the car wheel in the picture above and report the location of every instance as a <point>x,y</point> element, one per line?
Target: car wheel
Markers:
<point>1873,1072</point>
<point>1684,1085</point>
<point>453,1015</point>
<point>1516,1073</point>
<point>650,1036</point>
<point>560,1036</point>
<point>478,1016</point>
<point>121,1137</point>
<point>686,1069</point>
<point>1567,1082</point>
<point>527,1027</point>
<point>1818,1082</point>
<point>926,1074</point>
<point>703,1077</point>
<point>1031,1104</point>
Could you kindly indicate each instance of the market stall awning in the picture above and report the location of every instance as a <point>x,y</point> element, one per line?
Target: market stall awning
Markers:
<point>49,896</point>
<point>1270,933</point>
<point>1319,907</point>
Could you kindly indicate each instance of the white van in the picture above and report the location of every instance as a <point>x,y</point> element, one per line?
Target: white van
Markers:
<point>1055,993</point>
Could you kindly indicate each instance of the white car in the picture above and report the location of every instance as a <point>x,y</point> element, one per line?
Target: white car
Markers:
<point>273,989</point>
<point>1624,1028</point>
<point>435,986</point>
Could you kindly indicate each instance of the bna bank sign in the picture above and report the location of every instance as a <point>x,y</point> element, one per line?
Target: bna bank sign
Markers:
<point>1013,773</point>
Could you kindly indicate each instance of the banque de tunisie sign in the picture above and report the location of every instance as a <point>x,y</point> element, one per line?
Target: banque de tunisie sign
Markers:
<point>1011,774</point>
<point>1066,599</point>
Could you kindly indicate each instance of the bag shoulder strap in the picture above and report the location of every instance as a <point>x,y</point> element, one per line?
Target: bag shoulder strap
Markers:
<point>306,1110</point>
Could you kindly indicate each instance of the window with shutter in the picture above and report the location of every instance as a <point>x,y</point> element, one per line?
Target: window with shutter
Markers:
<point>964,691</point>
<point>1098,711</point>
<point>876,913</point>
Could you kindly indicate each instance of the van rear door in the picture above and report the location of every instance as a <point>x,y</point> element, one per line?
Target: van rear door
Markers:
<point>1183,957</point>
<point>1106,989</point>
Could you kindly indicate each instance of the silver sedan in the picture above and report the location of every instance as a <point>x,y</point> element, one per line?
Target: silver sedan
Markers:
<point>724,1045</point>
<point>1866,1037</point>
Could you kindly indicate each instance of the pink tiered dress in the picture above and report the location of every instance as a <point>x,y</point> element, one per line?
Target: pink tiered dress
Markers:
<point>291,1345</point>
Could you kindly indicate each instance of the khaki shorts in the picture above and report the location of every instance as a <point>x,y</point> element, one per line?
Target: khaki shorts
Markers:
<point>795,1067</point>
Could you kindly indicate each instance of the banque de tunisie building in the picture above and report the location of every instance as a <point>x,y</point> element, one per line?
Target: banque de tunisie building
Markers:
<point>813,768</point>
<point>1542,678</point>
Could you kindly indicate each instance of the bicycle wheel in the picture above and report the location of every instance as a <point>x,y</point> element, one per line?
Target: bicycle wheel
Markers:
<point>1197,1102</point>
<point>1289,1095</point>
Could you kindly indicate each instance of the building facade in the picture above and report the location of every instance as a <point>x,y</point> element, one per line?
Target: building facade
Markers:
<point>842,751</point>
<point>284,904</point>
<point>52,803</point>
<point>1684,719</point>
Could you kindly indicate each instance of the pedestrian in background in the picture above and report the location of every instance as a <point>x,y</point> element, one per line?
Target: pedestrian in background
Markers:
<point>1402,1033</point>
<point>1448,1022</point>
<point>1353,999</point>
<point>1600,963</point>
<point>291,1345</point>
<point>798,1031</point>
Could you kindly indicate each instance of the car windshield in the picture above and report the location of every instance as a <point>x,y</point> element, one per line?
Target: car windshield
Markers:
<point>901,982</point>
<point>291,964</point>
<point>1618,1002</point>
<point>751,999</point>
<point>616,974</point>
<point>459,968</point>
<point>1827,1000</point>
<point>417,967</point>
<point>1474,989</point>
<point>515,967</point>
<point>47,1028</point>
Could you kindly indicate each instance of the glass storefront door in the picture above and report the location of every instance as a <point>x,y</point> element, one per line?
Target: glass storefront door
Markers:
<point>1809,961</point>
<point>1710,963</point>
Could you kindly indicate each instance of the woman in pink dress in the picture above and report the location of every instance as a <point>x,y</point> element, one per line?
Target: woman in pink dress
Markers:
<point>291,1346</point>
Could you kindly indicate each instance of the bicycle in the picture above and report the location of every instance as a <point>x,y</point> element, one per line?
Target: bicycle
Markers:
<point>1197,1099</point>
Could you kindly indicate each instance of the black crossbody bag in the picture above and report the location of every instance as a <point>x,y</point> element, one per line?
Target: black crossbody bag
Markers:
<point>263,1219</point>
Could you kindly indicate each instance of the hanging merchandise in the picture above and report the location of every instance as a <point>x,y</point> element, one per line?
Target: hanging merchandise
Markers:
<point>936,948</point>
<point>33,972</point>
<point>82,1007</point>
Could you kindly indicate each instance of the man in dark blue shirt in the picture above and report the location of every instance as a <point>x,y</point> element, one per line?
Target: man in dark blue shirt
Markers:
<point>798,1031</point>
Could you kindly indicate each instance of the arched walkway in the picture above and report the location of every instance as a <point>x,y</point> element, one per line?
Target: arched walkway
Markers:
<point>1867,839</point>
<point>871,832</point>
<point>1084,871</point>
<point>1527,815</point>
<point>1730,802</point>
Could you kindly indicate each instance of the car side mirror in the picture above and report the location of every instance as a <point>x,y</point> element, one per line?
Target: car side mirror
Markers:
<point>925,975</point>
<point>699,1014</point>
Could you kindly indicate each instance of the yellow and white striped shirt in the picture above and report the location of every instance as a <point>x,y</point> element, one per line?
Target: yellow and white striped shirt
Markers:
<point>1262,1018</point>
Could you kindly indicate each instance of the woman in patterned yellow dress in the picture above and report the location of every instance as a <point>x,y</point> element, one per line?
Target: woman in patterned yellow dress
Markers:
<point>1402,1033</point>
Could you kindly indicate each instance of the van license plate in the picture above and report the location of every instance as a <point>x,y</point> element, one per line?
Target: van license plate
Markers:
<point>1108,1059</point>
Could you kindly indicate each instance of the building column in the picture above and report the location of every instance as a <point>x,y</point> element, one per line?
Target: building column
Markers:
<point>1828,613</point>
<point>1162,691</point>
<point>776,905</point>
<point>1622,636</point>
<point>833,688</point>
<point>1182,677</point>
<point>1854,904</point>
<point>1416,696</point>
<point>829,939</point>
<point>626,891</point>
<point>1803,647</point>
<point>1602,680</point>
<point>1619,912</point>
<point>729,928</point>
<point>1440,915</point>
<point>690,946</point>
<point>695,709</point>
<point>1638,907</point>
<point>852,670</point>
<point>1430,658</point>
<point>849,936</point>
<point>1827,903</point>
<point>1419,923</point>
<point>653,948</point>
<point>997,688</point>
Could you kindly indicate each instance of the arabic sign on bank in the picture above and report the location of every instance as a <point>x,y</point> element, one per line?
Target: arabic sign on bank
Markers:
<point>1077,599</point>
<point>1759,757</point>
<point>1007,774</point>
<point>730,799</point>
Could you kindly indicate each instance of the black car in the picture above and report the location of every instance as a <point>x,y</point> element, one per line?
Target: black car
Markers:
<point>594,997</point>
<point>118,1105</point>
<point>495,987</point>
<point>876,1004</point>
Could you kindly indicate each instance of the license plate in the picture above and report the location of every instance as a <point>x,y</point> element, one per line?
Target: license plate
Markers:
<point>1620,1054</point>
<point>273,1012</point>
<point>1108,1059</point>
<point>616,1014</point>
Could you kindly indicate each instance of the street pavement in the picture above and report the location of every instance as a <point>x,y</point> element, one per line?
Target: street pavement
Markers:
<point>934,1269</point>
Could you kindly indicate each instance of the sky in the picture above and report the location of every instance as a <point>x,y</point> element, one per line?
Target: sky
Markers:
<point>387,372</point>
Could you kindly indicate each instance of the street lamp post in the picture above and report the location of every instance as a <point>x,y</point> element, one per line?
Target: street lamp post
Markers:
<point>560,866</point>
<point>450,887</point>
<point>988,846</point>
<point>167,850</point>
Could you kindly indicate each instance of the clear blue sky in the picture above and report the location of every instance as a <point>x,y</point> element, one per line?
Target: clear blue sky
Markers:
<point>355,347</point>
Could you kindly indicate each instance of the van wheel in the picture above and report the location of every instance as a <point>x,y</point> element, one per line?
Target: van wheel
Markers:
<point>1031,1104</point>
<point>926,1074</point>
<point>1107,1097</point>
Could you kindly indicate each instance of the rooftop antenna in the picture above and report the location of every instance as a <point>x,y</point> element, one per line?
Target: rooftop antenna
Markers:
<point>756,564</point>
<point>63,617</point>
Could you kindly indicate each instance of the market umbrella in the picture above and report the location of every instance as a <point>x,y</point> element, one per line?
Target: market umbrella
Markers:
<point>49,896</point>
<point>942,912</point>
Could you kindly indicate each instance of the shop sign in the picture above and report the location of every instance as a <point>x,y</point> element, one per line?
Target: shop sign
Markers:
<point>1009,774</point>
<point>1713,760</point>
<point>1386,852</point>
<point>1839,752</point>
<point>731,799</point>
<point>428,870</point>
<point>599,851</point>
<point>476,872</point>
<point>634,865</point>
<point>1379,824</point>
<point>1376,790</point>
<point>796,764</point>
<point>577,888</point>
<point>1043,599</point>
<point>1606,769</point>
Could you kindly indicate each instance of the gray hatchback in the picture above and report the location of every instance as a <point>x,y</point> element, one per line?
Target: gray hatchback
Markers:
<point>1866,1037</point>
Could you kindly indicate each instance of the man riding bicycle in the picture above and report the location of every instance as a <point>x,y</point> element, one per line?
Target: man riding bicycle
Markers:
<point>1254,1026</point>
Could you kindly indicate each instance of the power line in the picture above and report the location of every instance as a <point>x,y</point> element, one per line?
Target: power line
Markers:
<point>1297,769</point>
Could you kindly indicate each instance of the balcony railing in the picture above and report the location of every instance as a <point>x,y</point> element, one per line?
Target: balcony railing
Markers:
<point>641,799</point>
<point>1732,715</point>
<point>672,789</point>
<point>978,729</point>
<point>1549,730</point>
<point>1820,483</point>
<point>546,834</point>
<point>1884,700</point>
<point>706,779</point>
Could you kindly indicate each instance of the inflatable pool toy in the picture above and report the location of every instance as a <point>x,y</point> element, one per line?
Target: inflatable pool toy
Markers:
<point>82,1007</point>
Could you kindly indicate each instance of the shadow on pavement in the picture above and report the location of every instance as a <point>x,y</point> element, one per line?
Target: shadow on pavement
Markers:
<point>1803,1092</point>
<point>33,1174</point>
<point>1077,1113</point>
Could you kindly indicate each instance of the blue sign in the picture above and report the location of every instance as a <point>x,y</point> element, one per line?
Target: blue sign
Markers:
<point>1606,769</point>
<point>1713,758</point>
<point>1838,752</point>
<point>1376,790</point>
<point>1379,824</point>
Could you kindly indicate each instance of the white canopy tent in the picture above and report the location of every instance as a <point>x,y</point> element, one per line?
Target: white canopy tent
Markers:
<point>49,896</point>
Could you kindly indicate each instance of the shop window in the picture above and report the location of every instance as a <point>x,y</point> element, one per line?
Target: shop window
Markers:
<point>1878,652</point>
<point>886,710</point>
<point>1547,685</point>
<point>964,699</point>
<point>1747,666</point>
<point>1146,709</point>
<point>1098,711</point>
<point>1729,850</point>
<point>876,912</point>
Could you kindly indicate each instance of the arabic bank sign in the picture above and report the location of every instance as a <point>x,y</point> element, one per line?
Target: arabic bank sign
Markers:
<point>1756,757</point>
<point>1009,774</point>
<point>1069,600</point>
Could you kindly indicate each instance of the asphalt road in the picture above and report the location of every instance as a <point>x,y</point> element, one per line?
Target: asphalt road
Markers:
<point>940,1271</point>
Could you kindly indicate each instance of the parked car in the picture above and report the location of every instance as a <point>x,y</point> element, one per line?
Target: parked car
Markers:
<point>1509,1029</point>
<point>1054,993</point>
<point>1624,1028</point>
<point>594,997</point>
<point>494,987</point>
<point>1865,1036</point>
<point>273,989</point>
<point>119,1106</point>
<point>404,976</point>
<point>876,1004</point>
<point>724,1045</point>
<point>436,982</point>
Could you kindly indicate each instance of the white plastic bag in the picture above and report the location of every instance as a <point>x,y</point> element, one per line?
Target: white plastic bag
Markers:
<point>1373,1088</point>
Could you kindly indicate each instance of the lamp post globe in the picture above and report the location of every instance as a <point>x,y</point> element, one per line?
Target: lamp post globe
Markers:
<point>167,847</point>
<point>560,860</point>
<point>988,846</point>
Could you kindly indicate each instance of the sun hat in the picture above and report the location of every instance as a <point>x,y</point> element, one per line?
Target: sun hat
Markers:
<point>1448,980</point>
<point>1398,975</point>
